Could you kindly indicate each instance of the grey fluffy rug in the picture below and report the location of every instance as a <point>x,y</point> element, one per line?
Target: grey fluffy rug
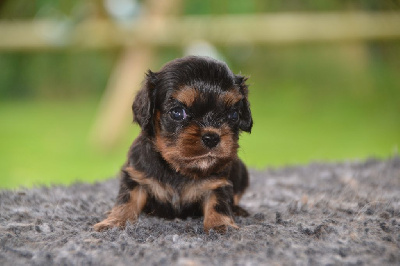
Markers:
<point>346,213</point>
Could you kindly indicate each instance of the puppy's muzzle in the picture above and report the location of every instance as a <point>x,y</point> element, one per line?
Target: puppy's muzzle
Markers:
<point>210,140</point>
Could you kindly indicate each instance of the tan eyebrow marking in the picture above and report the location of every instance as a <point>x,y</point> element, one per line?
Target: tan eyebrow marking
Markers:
<point>231,97</point>
<point>186,95</point>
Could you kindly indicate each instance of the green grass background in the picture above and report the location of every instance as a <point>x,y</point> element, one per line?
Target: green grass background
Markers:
<point>310,103</point>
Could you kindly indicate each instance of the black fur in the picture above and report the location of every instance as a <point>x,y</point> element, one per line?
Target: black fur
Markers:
<point>150,154</point>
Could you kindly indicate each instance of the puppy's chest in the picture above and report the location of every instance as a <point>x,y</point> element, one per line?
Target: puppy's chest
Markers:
<point>176,196</point>
<point>182,195</point>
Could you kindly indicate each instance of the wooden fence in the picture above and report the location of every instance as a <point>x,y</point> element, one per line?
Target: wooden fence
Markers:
<point>219,30</point>
<point>160,28</point>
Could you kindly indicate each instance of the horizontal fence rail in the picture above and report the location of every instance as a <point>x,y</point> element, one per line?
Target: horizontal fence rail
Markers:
<point>284,28</point>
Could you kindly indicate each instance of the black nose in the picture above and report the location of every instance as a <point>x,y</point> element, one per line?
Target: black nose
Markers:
<point>210,139</point>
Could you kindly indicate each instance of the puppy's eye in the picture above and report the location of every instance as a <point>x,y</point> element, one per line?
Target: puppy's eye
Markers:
<point>233,115</point>
<point>178,114</point>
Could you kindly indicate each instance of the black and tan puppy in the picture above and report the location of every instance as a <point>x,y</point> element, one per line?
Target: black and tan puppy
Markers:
<point>184,162</point>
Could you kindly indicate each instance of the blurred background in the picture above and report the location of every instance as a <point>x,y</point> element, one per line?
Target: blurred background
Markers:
<point>324,78</point>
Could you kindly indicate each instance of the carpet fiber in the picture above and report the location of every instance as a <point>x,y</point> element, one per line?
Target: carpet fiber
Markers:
<point>346,213</point>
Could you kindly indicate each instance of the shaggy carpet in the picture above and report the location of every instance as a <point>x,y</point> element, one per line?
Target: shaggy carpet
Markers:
<point>340,213</point>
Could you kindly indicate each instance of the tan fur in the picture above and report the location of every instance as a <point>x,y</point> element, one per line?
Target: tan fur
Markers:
<point>162,192</point>
<point>198,190</point>
<point>231,97</point>
<point>236,198</point>
<point>126,212</point>
<point>215,220</point>
<point>186,95</point>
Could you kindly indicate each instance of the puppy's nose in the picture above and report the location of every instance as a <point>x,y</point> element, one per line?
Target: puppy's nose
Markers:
<point>210,139</point>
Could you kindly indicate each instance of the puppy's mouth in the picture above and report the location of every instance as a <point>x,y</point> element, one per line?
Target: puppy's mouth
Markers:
<point>207,156</point>
<point>205,163</point>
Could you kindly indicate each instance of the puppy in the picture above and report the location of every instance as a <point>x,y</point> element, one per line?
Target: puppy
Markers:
<point>184,162</point>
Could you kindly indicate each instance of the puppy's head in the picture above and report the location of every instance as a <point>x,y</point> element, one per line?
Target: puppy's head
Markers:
<point>193,109</point>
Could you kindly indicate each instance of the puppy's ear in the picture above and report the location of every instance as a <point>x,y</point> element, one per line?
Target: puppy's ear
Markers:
<point>246,120</point>
<point>144,104</point>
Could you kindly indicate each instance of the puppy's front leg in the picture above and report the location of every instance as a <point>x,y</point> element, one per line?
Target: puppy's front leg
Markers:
<point>130,204</point>
<point>217,208</point>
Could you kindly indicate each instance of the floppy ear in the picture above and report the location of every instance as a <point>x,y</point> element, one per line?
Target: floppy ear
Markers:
<point>144,104</point>
<point>246,120</point>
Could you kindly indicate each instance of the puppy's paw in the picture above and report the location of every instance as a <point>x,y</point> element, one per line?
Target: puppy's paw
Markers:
<point>108,224</point>
<point>102,226</point>
<point>219,223</point>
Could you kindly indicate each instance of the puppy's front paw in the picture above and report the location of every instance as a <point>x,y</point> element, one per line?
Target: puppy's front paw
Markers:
<point>106,224</point>
<point>117,218</point>
<point>102,226</point>
<point>219,223</point>
<point>128,211</point>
